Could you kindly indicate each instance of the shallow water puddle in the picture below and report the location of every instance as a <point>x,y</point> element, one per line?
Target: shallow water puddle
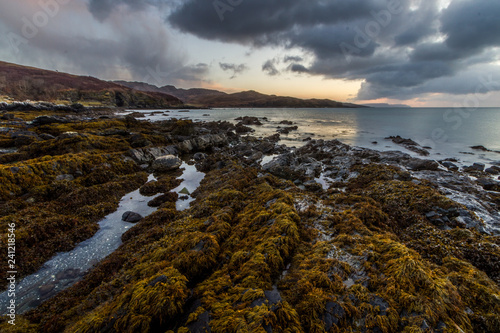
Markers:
<point>67,268</point>
<point>323,181</point>
<point>191,181</point>
<point>266,159</point>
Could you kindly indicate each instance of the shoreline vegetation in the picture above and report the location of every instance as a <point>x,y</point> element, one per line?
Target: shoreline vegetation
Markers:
<point>265,247</point>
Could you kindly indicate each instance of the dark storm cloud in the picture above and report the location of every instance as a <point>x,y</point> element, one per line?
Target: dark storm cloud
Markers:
<point>399,54</point>
<point>249,21</point>
<point>234,68</point>
<point>298,68</point>
<point>480,80</point>
<point>269,68</point>
<point>419,24</point>
<point>326,41</point>
<point>472,25</point>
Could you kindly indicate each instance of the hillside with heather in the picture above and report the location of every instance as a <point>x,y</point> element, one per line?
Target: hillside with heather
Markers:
<point>21,83</point>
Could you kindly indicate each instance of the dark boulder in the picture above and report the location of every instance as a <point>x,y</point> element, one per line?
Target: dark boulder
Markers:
<point>416,164</point>
<point>131,217</point>
<point>450,165</point>
<point>249,120</point>
<point>489,184</point>
<point>47,120</point>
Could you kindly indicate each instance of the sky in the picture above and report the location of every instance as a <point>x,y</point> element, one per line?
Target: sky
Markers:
<point>415,52</point>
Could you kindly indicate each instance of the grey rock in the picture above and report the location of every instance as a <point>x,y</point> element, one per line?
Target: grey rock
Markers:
<point>65,178</point>
<point>69,135</point>
<point>333,313</point>
<point>246,120</point>
<point>489,184</point>
<point>418,165</point>
<point>432,215</point>
<point>482,148</point>
<point>401,141</point>
<point>47,120</point>
<point>148,155</point>
<point>46,136</point>
<point>201,324</point>
<point>184,191</point>
<point>198,247</point>
<point>450,165</point>
<point>186,146</point>
<point>393,156</point>
<point>24,138</point>
<point>494,170</point>
<point>199,156</point>
<point>166,163</point>
<point>159,279</point>
<point>255,157</point>
<point>131,217</point>
<point>273,296</point>
<point>477,167</point>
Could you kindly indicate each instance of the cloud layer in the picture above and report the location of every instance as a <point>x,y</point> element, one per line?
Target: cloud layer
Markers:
<point>399,48</point>
<point>110,39</point>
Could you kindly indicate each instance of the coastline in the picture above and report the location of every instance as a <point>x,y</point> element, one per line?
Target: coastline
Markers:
<point>267,240</point>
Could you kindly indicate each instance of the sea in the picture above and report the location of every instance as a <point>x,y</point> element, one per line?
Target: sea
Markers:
<point>446,132</point>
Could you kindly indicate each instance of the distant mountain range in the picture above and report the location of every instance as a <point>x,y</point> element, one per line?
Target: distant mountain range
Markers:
<point>21,83</point>
<point>247,99</point>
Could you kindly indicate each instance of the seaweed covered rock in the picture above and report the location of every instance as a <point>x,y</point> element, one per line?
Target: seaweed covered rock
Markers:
<point>382,248</point>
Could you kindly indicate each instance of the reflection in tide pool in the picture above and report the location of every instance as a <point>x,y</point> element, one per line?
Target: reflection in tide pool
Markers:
<point>65,269</point>
<point>191,181</point>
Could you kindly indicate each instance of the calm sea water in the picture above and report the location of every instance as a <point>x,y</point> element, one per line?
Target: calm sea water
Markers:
<point>449,132</point>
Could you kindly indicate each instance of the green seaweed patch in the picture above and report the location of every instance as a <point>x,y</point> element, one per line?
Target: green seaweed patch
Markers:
<point>407,203</point>
<point>370,173</point>
<point>158,298</point>
<point>465,244</point>
<point>74,144</point>
<point>20,178</point>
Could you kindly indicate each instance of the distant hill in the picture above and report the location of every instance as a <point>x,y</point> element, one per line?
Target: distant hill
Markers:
<point>247,99</point>
<point>22,83</point>
<point>253,99</point>
<point>189,96</point>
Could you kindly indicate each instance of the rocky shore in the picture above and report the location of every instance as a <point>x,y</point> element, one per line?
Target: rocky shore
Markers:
<point>323,238</point>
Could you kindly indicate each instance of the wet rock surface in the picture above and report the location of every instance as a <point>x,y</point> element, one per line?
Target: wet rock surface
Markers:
<point>409,144</point>
<point>166,163</point>
<point>131,217</point>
